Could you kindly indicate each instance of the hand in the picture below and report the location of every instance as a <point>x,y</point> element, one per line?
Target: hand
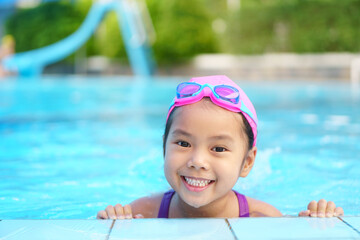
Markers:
<point>322,209</point>
<point>117,212</point>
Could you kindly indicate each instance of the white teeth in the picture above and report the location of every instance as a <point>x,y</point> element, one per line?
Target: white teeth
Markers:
<point>197,183</point>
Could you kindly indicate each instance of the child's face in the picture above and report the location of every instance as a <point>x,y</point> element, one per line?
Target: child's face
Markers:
<point>206,146</point>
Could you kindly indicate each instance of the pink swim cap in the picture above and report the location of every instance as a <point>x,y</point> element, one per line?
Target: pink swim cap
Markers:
<point>222,92</point>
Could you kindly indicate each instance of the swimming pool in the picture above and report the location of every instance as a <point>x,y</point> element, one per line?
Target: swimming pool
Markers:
<point>69,146</point>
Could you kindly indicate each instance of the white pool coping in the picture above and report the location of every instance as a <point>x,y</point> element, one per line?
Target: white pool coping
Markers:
<point>210,228</point>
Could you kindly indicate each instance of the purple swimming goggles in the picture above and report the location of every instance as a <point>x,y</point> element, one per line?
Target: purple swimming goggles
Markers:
<point>222,92</point>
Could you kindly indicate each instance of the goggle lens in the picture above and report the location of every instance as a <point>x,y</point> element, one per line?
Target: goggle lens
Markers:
<point>187,89</point>
<point>228,93</point>
<point>224,92</point>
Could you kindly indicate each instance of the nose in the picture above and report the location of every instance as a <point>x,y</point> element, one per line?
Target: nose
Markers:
<point>198,160</point>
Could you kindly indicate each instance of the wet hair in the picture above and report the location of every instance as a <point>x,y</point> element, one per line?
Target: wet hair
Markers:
<point>248,130</point>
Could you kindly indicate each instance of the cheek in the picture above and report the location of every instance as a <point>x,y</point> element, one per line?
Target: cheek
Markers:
<point>167,169</point>
<point>228,170</point>
<point>174,160</point>
<point>171,169</point>
<point>170,163</point>
<point>166,162</point>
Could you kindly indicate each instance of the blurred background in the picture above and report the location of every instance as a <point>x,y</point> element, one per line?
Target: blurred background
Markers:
<point>87,85</point>
<point>250,39</point>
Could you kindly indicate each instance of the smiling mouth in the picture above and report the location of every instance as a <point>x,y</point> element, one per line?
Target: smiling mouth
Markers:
<point>197,182</point>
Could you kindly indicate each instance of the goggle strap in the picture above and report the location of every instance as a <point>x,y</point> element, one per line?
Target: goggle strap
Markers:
<point>246,110</point>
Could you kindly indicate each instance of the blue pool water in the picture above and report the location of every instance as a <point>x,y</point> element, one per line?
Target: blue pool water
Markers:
<point>71,146</point>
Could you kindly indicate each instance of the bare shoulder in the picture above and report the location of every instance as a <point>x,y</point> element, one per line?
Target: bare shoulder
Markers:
<point>147,206</point>
<point>259,208</point>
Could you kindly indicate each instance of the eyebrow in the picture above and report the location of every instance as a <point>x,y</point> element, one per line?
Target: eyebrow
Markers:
<point>180,132</point>
<point>222,137</point>
<point>177,132</point>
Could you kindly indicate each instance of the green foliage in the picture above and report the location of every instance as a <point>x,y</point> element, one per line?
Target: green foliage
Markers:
<point>108,41</point>
<point>299,26</point>
<point>330,26</point>
<point>183,30</point>
<point>41,26</point>
<point>249,32</point>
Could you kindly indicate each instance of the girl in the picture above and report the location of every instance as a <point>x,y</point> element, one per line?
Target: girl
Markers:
<point>209,142</point>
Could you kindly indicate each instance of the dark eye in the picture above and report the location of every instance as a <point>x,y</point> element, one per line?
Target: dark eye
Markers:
<point>183,144</point>
<point>219,149</point>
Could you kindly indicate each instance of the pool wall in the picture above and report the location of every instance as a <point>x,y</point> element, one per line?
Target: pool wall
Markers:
<point>213,228</point>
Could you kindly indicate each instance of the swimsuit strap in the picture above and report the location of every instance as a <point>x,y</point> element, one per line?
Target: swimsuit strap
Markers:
<point>165,204</point>
<point>243,205</point>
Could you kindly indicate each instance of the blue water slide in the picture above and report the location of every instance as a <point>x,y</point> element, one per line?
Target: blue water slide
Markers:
<point>32,63</point>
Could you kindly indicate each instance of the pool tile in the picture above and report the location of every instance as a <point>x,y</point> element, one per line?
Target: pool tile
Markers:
<point>353,221</point>
<point>171,229</point>
<point>54,229</point>
<point>292,228</point>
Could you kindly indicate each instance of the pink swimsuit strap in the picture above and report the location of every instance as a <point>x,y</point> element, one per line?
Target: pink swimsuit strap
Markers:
<point>165,204</point>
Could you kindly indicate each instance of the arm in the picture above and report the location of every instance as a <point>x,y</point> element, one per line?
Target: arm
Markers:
<point>259,208</point>
<point>146,207</point>
<point>315,209</point>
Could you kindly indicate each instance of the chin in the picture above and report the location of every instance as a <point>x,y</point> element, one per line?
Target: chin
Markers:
<point>195,203</point>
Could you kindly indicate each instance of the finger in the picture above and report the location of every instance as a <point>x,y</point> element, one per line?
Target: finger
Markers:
<point>339,211</point>
<point>304,213</point>
<point>119,211</point>
<point>321,208</point>
<point>312,207</point>
<point>110,210</point>
<point>138,216</point>
<point>330,208</point>
<point>102,215</point>
<point>127,211</point>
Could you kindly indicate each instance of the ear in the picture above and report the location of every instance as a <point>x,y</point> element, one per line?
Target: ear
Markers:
<point>248,162</point>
